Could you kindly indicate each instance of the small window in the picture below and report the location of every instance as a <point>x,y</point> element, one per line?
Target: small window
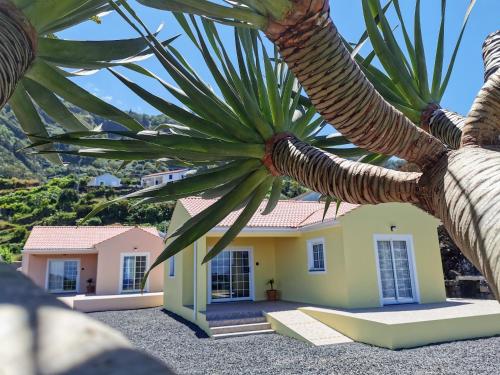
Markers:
<point>316,255</point>
<point>170,177</point>
<point>171,267</point>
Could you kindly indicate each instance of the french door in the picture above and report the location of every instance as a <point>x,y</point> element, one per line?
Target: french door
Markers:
<point>395,270</point>
<point>63,276</point>
<point>231,276</point>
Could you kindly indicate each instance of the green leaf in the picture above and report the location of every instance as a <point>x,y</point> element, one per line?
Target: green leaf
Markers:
<point>420,54</point>
<point>241,221</point>
<point>274,96</point>
<point>275,196</point>
<point>52,106</point>
<point>209,9</point>
<point>42,13</point>
<point>48,76</point>
<point>175,112</point>
<point>104,50</point>
<point>444,85</point>
<point>438,63</point>
<point>30,121</point>
<point>327,206</point>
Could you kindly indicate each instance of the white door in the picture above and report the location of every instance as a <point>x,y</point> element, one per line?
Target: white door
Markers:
<point>231,276</point>
<point>63,276</point>
<point>395,270</point>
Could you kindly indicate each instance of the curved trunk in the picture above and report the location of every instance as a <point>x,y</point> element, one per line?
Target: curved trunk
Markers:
<point>346,180</point>
<point>446,126</point>
<point>313,49</point>
<point>464,191</point>
<point>17,49</point>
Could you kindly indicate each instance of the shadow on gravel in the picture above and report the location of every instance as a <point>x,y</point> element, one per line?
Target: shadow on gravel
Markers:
<point>199,333</point>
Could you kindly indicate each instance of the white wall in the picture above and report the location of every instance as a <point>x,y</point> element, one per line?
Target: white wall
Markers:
<point>105,180</point>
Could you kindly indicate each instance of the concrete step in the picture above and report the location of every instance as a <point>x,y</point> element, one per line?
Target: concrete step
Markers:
<point>240,328</point>
<point>240,334</point>
<point>236,321</point>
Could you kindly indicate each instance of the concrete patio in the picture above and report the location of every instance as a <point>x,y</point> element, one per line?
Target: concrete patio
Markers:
<point>91,303</point>
<point>392,326</point>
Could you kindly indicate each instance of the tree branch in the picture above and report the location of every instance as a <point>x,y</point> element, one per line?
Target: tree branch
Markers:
<point>491,54</point>
<point>313,49</point>
<point>445,125</point>
<point>346,180</point>
<point>482,127</point>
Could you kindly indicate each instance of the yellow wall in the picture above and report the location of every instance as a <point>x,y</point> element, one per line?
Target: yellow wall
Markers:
<point>360,225</point>
<point>351,278</point>
<point>295,281</point>
<point>179,290</point>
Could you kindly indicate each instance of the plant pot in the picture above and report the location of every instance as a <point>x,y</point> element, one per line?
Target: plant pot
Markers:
<point>272,295</point>
<point>90,289</point>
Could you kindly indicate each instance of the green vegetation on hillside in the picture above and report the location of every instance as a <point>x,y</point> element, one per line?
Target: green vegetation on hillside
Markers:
<point>23,164</point>
<point>65,201</point>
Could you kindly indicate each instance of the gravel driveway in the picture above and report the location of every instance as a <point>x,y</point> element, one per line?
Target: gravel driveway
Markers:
<point>187,350</point>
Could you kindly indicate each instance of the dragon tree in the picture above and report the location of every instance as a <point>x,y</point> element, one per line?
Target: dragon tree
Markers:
<point>261,128</point>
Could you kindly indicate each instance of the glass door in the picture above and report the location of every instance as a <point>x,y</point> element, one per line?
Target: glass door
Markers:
<point>63,276</point>
<point>231,275</point>
<point>395,271</point>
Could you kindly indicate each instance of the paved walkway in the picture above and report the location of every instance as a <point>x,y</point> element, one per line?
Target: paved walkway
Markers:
<point>301,326</point>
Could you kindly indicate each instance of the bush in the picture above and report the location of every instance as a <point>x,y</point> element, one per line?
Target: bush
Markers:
<point>5,254</point>
<point>60,218</point>
<point>95,221</point>
<point>66,199</point>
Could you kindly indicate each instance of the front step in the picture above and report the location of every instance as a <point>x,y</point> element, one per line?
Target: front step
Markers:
<point>240,334</point>
<point>240,328</point>
<point>231,321</point>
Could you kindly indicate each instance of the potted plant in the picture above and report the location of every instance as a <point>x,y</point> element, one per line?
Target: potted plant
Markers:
<point>272,294</point>
<point>90,286</point>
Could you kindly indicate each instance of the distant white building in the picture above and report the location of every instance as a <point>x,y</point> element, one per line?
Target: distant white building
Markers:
<point>105,179</point>
<point>163,177</point>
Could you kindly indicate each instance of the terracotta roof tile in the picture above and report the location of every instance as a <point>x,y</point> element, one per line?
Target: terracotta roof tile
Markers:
<point>287,214</point>
<point>68,237</point>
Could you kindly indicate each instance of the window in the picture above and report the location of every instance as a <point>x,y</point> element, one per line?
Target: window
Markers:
<point>171,266</point>
<point>133,270</point>
<point>170,177</point>
<point>316,255</point>
<point>62,276</point>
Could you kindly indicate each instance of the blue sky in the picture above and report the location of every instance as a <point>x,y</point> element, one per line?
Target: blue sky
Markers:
<point>464,85</point>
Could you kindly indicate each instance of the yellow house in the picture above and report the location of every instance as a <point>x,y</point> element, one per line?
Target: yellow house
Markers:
<point>364,257</point>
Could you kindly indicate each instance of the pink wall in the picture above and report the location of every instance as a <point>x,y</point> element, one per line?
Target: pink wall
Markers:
<point>35,266</point>
<point>109,265</point>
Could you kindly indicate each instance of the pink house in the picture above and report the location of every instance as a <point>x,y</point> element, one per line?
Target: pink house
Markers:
<point>96,268</point>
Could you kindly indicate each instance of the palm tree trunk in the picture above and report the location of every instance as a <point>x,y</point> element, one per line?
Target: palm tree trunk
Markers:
<point>445,125</point>
<point>482,127</point>
<point>346,180</point>
<point>313,49</point>
<point>463,191</point>
<point>17,48</point>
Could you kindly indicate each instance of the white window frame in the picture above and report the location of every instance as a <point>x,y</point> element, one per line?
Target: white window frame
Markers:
<point>310,256</point>
<point>77,275</point>
<point>120,281</point>
<point>171,267</point>
<point>251,276</point>
<point>412,264</point>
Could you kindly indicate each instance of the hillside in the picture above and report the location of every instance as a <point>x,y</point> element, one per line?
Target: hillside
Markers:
<point>65,201</point>
<point>22,164</point>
